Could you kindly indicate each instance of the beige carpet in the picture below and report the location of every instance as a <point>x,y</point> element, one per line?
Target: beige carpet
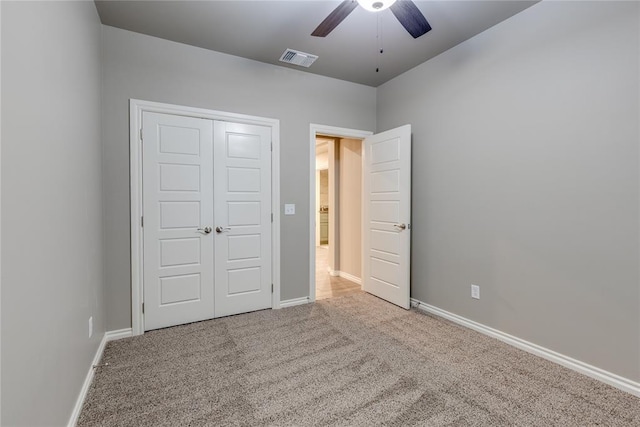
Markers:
<point>349,361</point>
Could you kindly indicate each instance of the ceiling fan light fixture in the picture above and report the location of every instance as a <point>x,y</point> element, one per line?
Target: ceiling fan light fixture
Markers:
<point>405,11</point>
<point>376,5</point>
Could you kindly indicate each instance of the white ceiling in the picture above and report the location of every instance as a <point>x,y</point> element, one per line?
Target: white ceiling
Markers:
<point>263,29</point>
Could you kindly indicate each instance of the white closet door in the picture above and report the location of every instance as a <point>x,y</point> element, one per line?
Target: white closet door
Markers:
<point>242,232</point>
<point>178,208</point>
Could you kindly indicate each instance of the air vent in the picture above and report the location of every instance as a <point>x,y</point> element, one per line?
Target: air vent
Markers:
<point>295,57</point>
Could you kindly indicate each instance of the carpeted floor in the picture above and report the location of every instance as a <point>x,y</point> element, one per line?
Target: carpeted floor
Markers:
<point>349,361</point>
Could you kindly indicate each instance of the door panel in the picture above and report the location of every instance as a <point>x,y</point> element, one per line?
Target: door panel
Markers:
<point>181,288</point>
<point>174,215</point>
<point>179,252</point>
<point>242,180</point>
<point>177,188</point>
<point>387,215</point>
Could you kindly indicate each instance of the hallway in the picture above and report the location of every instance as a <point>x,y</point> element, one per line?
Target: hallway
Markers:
<point>328,286</point>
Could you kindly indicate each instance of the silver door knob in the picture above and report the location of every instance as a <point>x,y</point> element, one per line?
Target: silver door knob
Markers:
<point>221,229</point>
<point>205,230</point>
<point>400,226</point>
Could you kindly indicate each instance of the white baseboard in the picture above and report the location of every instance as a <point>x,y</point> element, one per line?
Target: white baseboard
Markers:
<point>344,275</point>
<point>87,383</point>
<point>108,336</point>
<point>607,377</point>
<point>118,334</point>
<point>295,301</point>
<point>350,277</point>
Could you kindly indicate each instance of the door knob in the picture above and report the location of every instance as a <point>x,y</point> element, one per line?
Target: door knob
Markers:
<point>206,230</point>
<point>221,229</point>
<point>400,226</point>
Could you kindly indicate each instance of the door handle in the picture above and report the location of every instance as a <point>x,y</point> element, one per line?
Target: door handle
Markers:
<point>400,226</point>
<point>222,229</point>
<point>205,230</point>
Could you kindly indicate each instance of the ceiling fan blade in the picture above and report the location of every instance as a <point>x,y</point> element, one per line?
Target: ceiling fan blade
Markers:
<point>335,18</point>
<point>410,17</point>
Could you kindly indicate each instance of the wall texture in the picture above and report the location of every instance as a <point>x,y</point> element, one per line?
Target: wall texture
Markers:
<point>526,178</point>
<point>148,68</point>
<point>52,270</point>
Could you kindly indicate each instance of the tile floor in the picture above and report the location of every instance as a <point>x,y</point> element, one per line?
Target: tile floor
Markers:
<point>328,286</point>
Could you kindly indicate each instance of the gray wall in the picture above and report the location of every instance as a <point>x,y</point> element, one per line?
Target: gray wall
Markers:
<point>143,67</point>
<point>525,160</point>
<point>51,207</point>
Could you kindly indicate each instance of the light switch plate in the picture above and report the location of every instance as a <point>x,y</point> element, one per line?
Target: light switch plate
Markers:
<point>475,291</point>
<point>289,209</point>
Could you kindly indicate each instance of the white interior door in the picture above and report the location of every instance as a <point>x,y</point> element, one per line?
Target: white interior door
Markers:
<point>387,215</point>
<point>177,206</point>
<point>242,180</point>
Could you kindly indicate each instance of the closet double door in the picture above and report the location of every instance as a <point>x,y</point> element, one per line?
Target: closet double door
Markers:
<point>206,219</point>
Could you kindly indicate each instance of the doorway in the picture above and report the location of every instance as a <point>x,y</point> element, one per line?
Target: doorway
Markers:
<point>336,217</point>
<point>385,202</point>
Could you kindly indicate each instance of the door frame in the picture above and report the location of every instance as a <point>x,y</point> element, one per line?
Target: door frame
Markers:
<point>136,108</point>
<point>314,130</point>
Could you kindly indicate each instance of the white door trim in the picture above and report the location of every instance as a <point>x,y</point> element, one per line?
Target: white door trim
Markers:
<point>0,211</point>
<point>136,108</point>
<point>315,129</point>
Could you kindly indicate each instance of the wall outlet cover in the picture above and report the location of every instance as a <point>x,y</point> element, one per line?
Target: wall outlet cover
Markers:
<point>475,291</point>
<point>289,209</point>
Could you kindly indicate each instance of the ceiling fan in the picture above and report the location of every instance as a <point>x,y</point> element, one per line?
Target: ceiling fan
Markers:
<point>404,10</point>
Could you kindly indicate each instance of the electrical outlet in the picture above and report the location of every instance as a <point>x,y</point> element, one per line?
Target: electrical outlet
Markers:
<point>475,291</point>
<point>90,326</point>
<point>289,209</point>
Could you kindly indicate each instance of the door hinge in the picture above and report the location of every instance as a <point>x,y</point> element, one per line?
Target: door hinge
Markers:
<point>141,221</point>
<point>272,146</point>
<point>271,216</point>
<point>142,308</point>
<point>140,135</point>
<point>272,288</point>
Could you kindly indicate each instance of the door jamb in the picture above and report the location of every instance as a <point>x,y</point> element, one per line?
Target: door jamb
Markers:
<point>314,130</point>
<point>136,108</point>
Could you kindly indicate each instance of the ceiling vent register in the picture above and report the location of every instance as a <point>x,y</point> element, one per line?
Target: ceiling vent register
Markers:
<point>295,57</point>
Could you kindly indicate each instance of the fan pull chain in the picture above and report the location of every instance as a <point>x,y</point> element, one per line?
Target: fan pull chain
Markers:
<point>380,46</point>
